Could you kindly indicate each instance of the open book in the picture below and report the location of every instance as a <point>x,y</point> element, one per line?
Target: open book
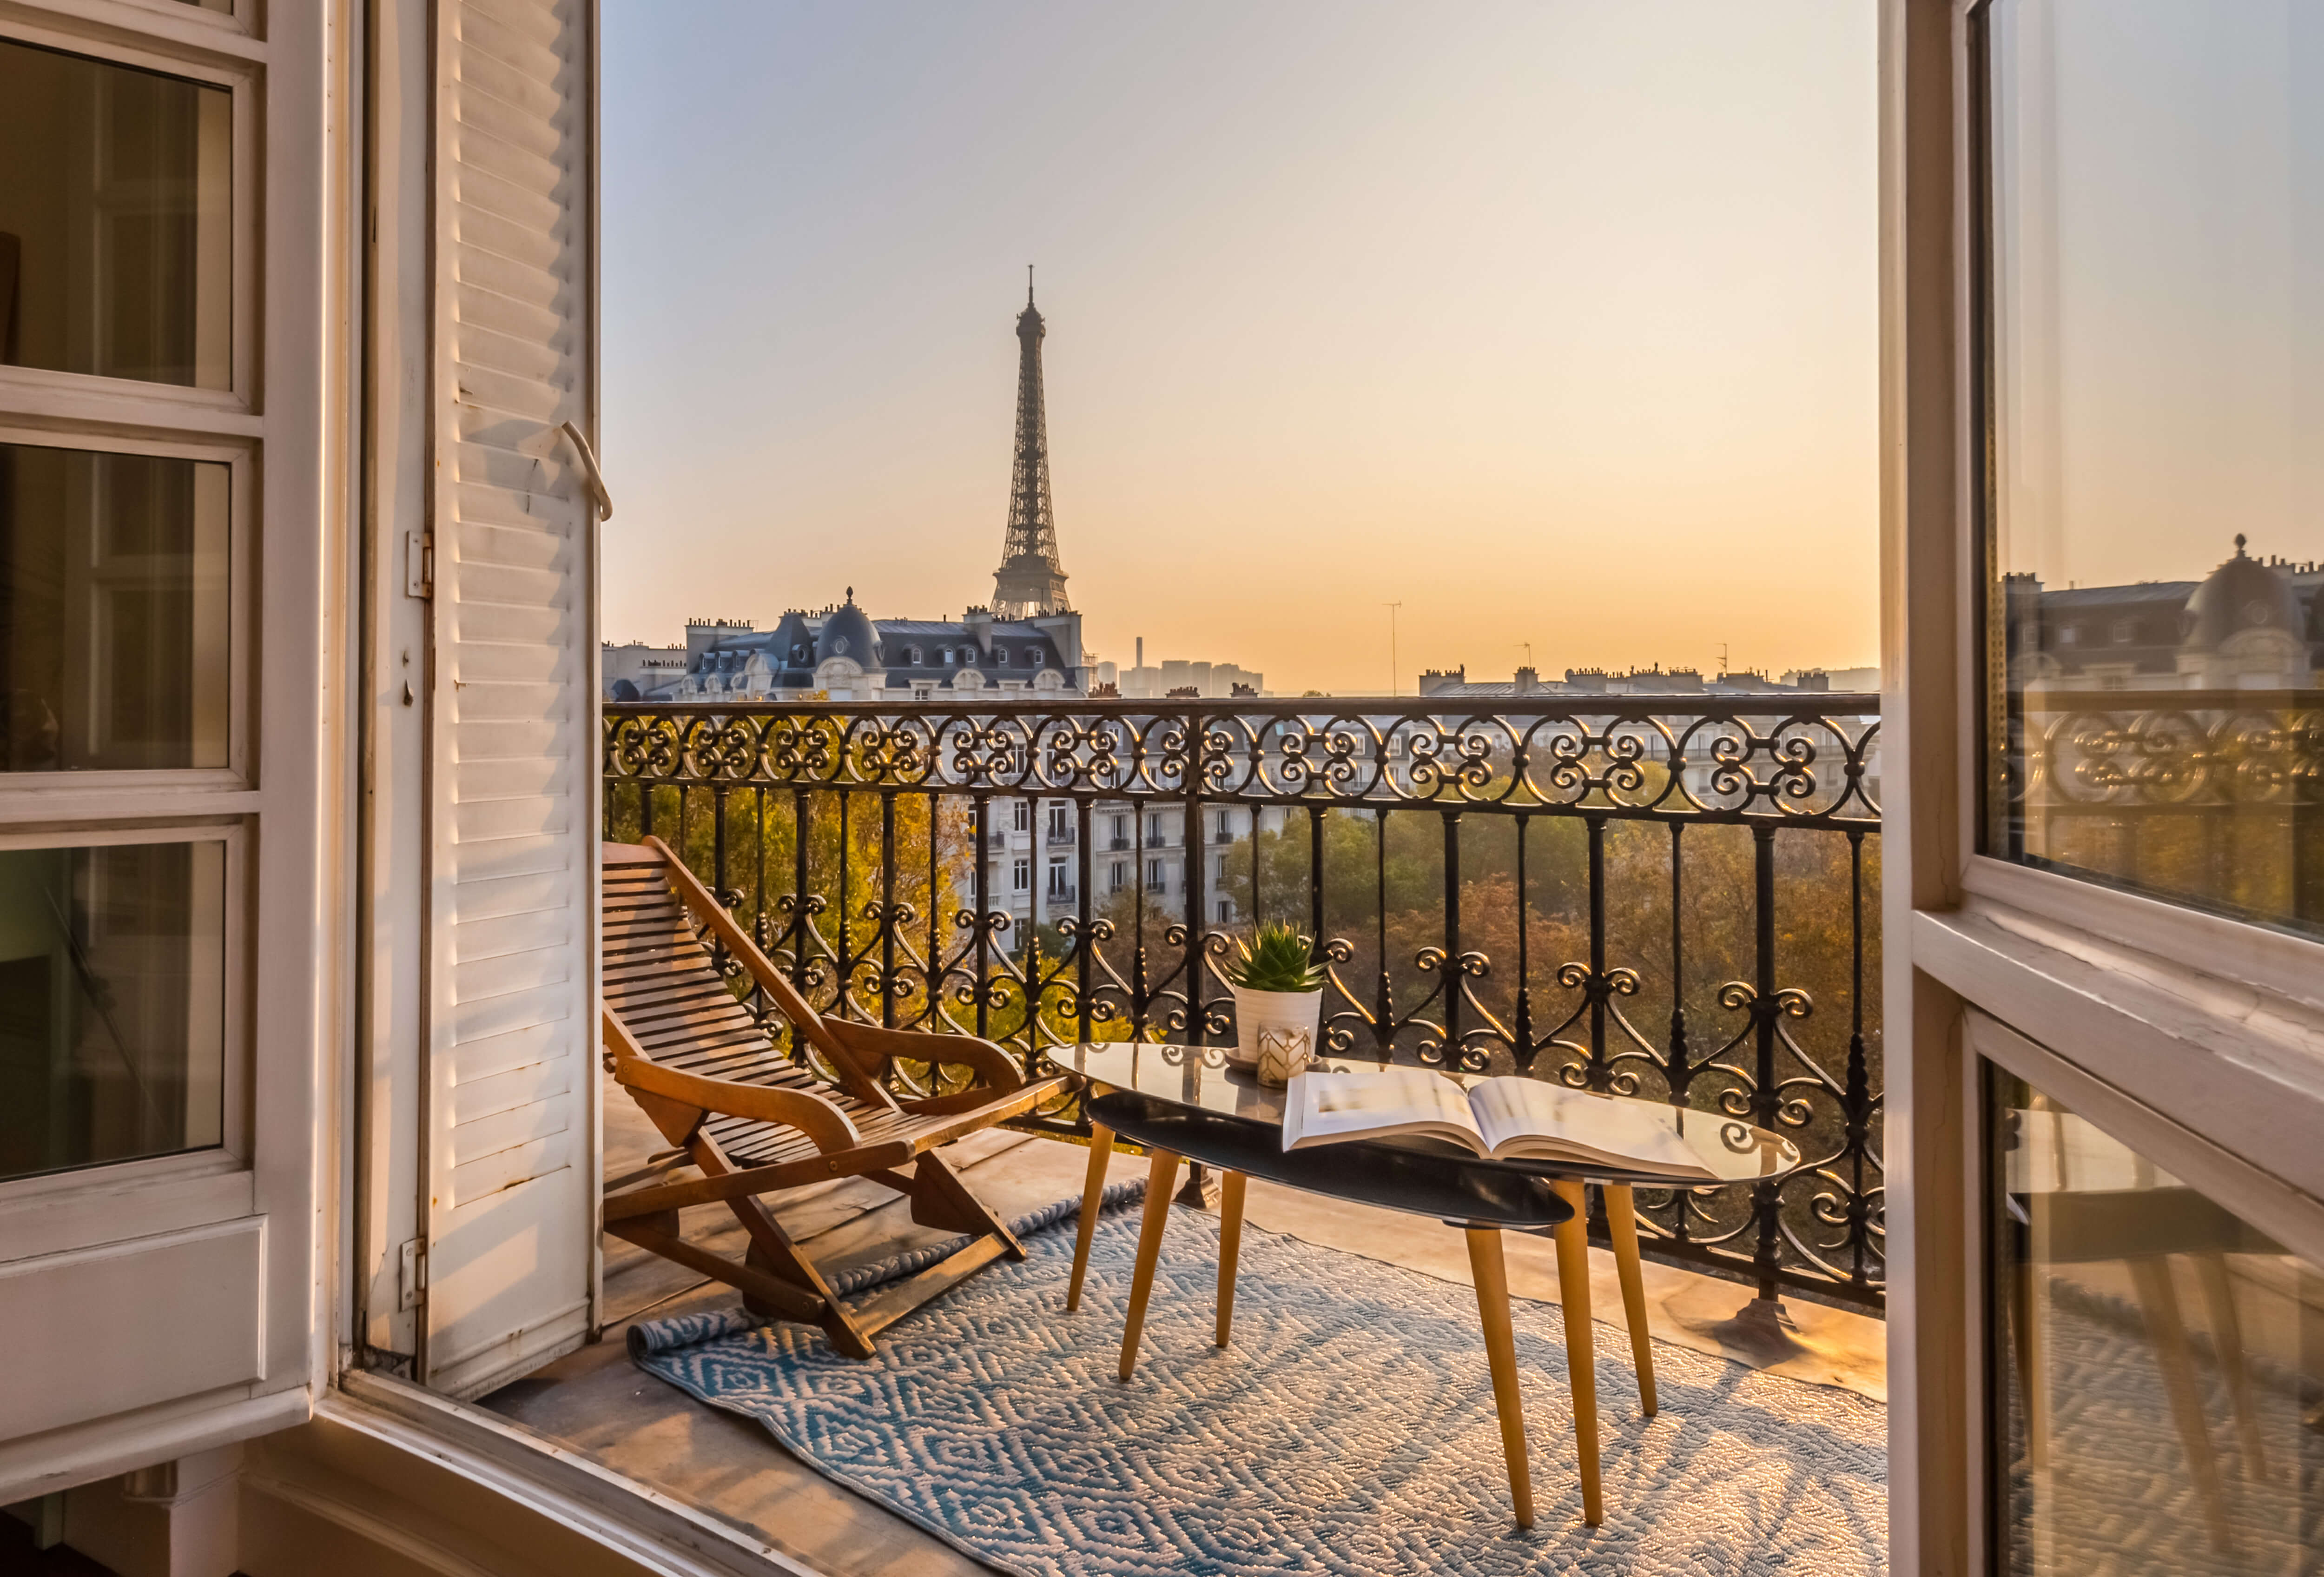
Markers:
<point>1503,1119</point>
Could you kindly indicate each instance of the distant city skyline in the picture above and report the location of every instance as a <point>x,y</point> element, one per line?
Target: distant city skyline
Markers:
<point>1547,321</point>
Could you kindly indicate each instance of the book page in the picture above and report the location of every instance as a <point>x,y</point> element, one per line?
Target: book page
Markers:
<point>1510,1111</point>
<point>1324,1107</point>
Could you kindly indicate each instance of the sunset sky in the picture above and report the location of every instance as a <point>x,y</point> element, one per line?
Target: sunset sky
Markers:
<point>1553,321</point>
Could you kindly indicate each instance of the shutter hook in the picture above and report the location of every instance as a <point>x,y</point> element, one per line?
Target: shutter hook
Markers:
<point>589,472</point>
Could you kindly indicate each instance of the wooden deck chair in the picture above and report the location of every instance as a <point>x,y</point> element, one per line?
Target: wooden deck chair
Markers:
<point>753,1122</point>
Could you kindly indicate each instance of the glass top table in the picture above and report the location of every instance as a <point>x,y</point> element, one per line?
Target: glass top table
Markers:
<point>1191,1102</point>
<point>1202,1077</point>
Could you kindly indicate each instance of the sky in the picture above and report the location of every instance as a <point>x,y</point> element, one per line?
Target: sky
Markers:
<point>1553,322</point>
<point>2159,204</point>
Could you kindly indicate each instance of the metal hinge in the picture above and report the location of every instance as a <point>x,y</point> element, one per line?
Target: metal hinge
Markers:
<point>419,564</point>
<point>411,1275</point>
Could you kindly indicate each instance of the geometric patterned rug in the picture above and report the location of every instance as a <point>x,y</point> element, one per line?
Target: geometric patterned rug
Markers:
<point>1349,1429</point>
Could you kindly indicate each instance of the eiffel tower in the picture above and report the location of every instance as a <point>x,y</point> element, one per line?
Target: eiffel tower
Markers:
<point>1029,580</point>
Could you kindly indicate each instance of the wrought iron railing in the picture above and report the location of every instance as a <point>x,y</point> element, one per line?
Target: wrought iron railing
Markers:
<point>1666,897</point>
<point>2210,797</point>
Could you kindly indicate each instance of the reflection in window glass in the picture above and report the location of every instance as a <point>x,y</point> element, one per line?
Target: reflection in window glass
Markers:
<point>114,633</point>
<point>2156,483</point>
<point>115,249</point>
<point>2157,1365</point>
<point>112,1009</point>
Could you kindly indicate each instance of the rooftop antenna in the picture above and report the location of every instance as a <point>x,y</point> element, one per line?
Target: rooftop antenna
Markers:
<point>1528,651</point>
<point>1722,657</point>
<point>1391,608</point>
<point>1028,284</point>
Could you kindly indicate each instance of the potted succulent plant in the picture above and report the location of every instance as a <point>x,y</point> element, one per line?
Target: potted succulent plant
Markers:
<point>1279,991</point>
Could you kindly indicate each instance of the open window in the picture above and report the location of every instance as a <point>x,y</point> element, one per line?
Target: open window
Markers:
<point>166,753</point>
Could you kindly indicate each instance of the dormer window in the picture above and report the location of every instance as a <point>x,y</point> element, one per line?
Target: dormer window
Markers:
<point>2125,632</point>
<point>1002,657</point>
<point>913,657</point>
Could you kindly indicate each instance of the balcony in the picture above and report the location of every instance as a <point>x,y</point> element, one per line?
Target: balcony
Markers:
<point>1628,900</point>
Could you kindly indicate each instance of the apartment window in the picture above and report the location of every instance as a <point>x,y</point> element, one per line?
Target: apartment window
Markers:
<point>1058,886</point>
<point>164,939</point>
<point>1154,830</point>
<point>948,656</point>
<point>1121,829</point>
<point>115,220</point>
<point>1060,822</point>
<point>1226,911</point>
<point>1020,876</point>
<point>112,1002</point>
<point>1154,876</point>
<point>114,628</point>
<point>1023,811</point>
<point>1121,876</point>
<point>2153,193</point>
<point>2134,1321</point>
<point>1219,867</point>
<point>123,625</point>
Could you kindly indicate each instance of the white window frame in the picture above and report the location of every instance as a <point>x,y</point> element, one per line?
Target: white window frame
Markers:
<point>96,795</point>
<point>2137,1013</point>
<point>276,802</point>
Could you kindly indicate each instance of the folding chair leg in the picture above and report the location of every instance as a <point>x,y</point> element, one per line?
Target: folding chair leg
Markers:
<point>940,1199</point>
<point>773,1253</point>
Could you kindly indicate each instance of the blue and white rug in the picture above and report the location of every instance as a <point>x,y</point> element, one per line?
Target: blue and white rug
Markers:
<point>1350,1428</point>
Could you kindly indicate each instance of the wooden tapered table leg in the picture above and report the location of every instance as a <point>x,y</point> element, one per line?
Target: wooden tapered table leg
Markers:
<point>1581,1359</point>
<point>1485,1263</point>
<point>2228,1343</point>
<point>1159,1176</point>
<point>1092,1201</point>
<point>1230,1248</point>
<point>1622,1226</point>
<point>2158,1300</point>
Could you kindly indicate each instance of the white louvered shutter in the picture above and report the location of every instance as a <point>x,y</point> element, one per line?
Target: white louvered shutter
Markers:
<point>511,1128</point>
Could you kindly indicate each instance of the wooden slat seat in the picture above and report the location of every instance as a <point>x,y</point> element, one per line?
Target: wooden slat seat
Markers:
<point>755,1122</point>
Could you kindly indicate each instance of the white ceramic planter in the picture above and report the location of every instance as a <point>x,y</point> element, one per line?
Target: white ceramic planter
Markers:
<point>1275,1031</point>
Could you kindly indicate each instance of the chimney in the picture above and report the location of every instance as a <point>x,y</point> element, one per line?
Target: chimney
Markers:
<point>1141,653</point>
<point>980,625</point>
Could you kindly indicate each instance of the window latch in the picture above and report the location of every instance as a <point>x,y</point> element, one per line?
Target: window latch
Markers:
<point>419,564</point>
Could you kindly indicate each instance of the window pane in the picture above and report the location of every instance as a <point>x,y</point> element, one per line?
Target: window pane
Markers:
<point>115,252</point>
<point>114,633</point>
<point>112,1015</point>
<point>2157,1365</point>
<point>2156,483</point>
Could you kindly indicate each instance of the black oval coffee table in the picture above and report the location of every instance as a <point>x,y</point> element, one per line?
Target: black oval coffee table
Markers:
<point>1190,1103</point>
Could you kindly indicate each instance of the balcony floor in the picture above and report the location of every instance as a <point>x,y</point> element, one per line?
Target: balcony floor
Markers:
<point>598,1402</point>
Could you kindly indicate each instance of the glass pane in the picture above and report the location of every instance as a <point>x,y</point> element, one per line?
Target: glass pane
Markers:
<point>112,1003</point>
<point>113,633</point>
<point>115,249</point>
<point>2156,483</point>
<point>2157,1365</point>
